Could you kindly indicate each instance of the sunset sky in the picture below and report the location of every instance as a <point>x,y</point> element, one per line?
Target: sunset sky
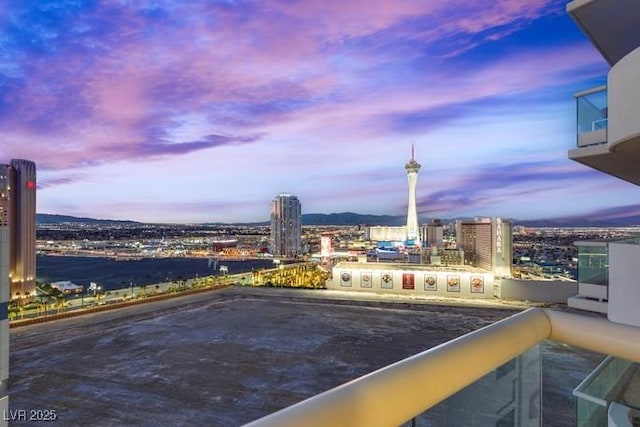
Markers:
<point>199,111</point>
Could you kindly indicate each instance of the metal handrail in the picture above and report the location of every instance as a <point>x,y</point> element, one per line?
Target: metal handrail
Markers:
<point>396,393</point>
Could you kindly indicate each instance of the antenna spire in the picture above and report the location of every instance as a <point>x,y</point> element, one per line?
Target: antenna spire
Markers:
<point>413,158</point>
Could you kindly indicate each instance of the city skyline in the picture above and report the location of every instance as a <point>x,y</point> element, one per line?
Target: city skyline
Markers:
<point>201,112</point>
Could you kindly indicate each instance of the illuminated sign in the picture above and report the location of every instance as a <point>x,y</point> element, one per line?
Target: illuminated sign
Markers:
<point>31,185</point>
<point>408,281</point>
<point>345,279</point>
<point>365,280</point>
<point>498,235</point>
<point>325,246</point>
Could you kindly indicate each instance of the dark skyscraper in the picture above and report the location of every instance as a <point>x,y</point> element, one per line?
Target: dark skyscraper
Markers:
<point>18,219</point>
<point>286,226</point>
<point>4,287</point>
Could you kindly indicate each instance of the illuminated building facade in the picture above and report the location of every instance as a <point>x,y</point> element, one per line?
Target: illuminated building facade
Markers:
<point>386,233</point>
<point>413,280</point>
<point>17,251</point>
<point>286,226</point>
<point>22,227</point>
<point>326,246</point>
<point>4,286</point>
<point>487,244</point>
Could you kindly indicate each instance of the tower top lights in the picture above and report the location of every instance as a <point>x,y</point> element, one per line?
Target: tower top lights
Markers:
<point>412,166</point>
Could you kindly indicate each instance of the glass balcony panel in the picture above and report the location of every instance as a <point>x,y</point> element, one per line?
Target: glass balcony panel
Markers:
<point>606,384</point>
<point>592,111</point>
<point>593,265</point>
<point>508,396</point>
<point>630,241</point>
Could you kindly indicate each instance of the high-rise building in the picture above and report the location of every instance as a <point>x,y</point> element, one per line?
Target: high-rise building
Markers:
<point>5,248</point>
<point>17,250</point>
<point>413,232</point>
<point>433,233</point>
<point>487,244</point>
<point>286,226</point>
<point>22,227</point>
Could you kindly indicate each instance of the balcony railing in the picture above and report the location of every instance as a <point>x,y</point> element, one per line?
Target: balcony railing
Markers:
<point>399,392</point>
<point>592,120</point>
<point>593,264</point>
<point>599,389</point>
<point>630,241</point>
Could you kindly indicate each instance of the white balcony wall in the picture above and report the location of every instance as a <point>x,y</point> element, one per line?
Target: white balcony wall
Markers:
<point>624,100</point>
<point>624,283</point>
<point>596,137</point>
<point>589,290</point>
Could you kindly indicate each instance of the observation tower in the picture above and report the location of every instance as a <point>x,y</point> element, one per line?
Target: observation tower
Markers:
<point>413,231</point>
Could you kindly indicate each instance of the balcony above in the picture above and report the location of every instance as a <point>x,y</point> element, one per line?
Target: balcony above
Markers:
<point>621,163</point>
<point>608,132</point>
<point>611,25</point>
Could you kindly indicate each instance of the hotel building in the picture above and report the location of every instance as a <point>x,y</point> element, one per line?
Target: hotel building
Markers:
<point>5,248</point>
<point>487,244</point>
<point>22,220</point>
<point>490,377</point>
<point>286,226</point>
<point>17,250</point>
<point>433,234</point>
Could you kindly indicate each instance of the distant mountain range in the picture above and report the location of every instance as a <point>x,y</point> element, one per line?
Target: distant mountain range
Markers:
<point>351,218</point>
<point>59,219</point>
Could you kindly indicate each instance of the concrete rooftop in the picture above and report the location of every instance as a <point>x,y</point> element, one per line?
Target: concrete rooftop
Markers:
<point>227,357</point>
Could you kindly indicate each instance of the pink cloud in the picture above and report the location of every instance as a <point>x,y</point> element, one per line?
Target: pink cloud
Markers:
<point>302,71</point>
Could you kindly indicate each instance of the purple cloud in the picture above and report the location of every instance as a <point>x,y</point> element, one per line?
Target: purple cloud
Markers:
<point>477,189</point>
<point>85,85</point>
<point>62,180</point>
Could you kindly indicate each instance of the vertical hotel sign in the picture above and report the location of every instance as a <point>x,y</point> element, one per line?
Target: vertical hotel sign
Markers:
<point>498,236</point>
<point>408,281</point>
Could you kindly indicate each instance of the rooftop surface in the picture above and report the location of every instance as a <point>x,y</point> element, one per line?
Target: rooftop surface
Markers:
<point>231,356</point>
